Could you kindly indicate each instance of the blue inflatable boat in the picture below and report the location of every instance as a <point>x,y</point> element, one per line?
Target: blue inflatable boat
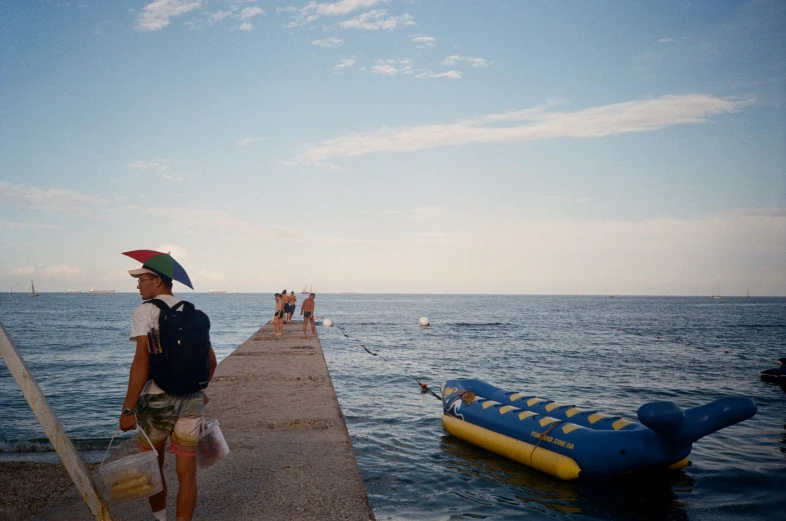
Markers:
<point>571,443</point>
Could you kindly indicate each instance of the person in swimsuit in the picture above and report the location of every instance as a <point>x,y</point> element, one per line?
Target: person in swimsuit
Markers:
<point>278,316</point>
<point>307,310</point>
<point>288,306</point>
<point>292,305</point>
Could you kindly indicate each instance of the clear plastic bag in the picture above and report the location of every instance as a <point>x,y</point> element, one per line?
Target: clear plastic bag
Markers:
<point>212,446</point>
<point>133,477</point>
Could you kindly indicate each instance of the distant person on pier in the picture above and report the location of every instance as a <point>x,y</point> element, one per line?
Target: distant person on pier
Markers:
<point>285,309</point>
<point>292,306</point>
<point>164,414</point>
<point>278,316</point>
<point>307,310</point>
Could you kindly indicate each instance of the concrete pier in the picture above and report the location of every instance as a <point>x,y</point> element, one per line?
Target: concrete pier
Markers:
<point>291,456</point>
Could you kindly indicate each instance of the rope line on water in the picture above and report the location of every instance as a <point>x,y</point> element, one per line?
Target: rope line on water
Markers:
<point>650,336</point>
<point>424,388</point>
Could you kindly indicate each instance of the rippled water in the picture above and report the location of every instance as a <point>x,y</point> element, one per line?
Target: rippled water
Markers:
<point>77,348</point>
<point>607,354</point>
<point>612,355</point>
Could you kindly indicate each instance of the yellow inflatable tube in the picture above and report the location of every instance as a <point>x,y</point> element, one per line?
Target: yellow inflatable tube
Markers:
<point>534,456</point>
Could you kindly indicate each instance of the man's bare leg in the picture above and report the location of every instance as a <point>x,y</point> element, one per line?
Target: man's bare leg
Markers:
<point>277,327</point>
<point>158,501</point>
<point>187,489</point>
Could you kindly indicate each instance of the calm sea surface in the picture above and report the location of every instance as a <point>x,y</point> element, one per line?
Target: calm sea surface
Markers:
<point>612,355</point>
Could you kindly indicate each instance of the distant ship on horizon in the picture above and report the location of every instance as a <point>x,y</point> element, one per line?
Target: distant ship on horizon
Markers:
<point>217,291</point>
<point>101,290</point>
<point>307,290</point>
<point>73,291</point>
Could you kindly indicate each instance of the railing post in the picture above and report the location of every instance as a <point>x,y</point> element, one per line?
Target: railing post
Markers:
<point>52,427</point>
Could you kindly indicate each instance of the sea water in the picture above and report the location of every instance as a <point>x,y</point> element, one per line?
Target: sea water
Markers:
<point>607,354</point>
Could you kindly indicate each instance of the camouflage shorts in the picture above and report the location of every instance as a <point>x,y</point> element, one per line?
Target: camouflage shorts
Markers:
<point>176,415</point>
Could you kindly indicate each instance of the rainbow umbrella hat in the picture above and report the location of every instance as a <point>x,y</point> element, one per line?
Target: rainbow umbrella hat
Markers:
<point>162,263</point>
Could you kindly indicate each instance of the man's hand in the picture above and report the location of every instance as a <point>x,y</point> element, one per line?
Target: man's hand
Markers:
<point>127,422</point>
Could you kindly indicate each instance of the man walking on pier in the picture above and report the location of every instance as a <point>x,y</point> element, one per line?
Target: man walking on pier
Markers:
<point>307,310</point>
<point>175,413</point>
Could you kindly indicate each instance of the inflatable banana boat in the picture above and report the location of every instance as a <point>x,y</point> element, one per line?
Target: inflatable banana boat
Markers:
<point>569,443</point>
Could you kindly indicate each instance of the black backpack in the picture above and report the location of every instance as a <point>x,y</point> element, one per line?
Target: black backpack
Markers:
<point>180,353</point>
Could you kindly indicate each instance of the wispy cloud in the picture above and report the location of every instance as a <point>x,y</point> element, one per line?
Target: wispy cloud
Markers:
<point>344,63</point>
<point>178,177</point>
<point>666,40</point>
<point>159,164</point>
<point>377,19</point>
<point>451,75</point>
<point>235,11</point>
<point>475,62</point>
<point>250,12</point>
<point>384,70</point>
<point>249,140</point>
<point>393,67</point>
<point>314,10</point>
<point>533,125</point>
<point>24,270</point>
<point>62,201</point>
<point>158,14</point>
<point>328,42</point>
<point>423,41</point>
<point>220,15</point>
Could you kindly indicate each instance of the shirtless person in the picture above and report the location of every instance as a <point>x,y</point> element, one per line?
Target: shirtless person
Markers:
<point>285,308</point>
<point>278,316</point>
<point>307,310</point>
<point>292,305</point>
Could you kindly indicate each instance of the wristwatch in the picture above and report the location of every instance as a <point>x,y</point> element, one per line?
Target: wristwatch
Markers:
<point>128,412</point>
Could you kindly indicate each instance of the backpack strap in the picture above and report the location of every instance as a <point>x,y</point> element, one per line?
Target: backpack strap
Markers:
<point>188,307</point>
<point>160,304</point>
<point>185,305</point>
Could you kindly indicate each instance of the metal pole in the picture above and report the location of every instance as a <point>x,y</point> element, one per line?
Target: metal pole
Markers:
<point>52,427</point>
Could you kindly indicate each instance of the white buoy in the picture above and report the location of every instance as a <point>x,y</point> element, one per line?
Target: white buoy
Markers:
<point>423,321</point>
<point>327,322</point>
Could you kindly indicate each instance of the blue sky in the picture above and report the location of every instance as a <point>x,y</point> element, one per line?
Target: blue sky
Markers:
<point>396,146</point>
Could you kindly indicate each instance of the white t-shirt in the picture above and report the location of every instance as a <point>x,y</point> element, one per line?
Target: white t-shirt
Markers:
<point>146,318</point>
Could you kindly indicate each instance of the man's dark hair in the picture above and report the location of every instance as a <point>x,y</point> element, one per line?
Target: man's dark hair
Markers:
<point>164,279</point>
<point>312,295</point>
